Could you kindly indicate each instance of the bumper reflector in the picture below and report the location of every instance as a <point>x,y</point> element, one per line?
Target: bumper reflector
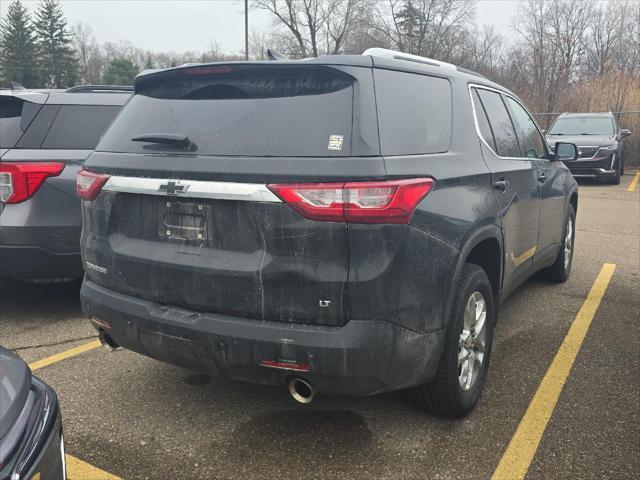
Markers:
<point>296,367</point>
<point>101,323</point>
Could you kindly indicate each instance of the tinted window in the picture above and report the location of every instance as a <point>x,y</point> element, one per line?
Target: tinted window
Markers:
<point>505,136</point>
<point>583,126</point>
<point>79,126</point>
<point>10,114</point>
<point>15,117</point>
<point>266,111</point>
<point>531,142</point>
<point>414,113</point>
<point>34,135</point>
<point>483,122</point>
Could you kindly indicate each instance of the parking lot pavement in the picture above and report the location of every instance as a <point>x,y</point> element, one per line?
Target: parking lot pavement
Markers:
<point>141,419</point>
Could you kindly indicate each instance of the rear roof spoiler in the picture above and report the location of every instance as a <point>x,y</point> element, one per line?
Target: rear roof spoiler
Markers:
<point>100,89</point>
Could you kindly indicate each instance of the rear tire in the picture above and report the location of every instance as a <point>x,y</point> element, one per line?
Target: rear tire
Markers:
<point>462,371</point>
<point>561,269</point>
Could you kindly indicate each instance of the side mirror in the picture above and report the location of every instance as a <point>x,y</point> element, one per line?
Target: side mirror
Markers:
<point>625,132</point>
<point>565,151</point>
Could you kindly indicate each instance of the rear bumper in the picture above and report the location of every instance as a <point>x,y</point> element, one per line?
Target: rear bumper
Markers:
<point>362,357</point>
<point>29,261</point>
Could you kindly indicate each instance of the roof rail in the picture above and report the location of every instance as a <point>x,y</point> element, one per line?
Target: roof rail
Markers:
<point>99,89</point>
<point>386,53</point>
<point>471,72</point>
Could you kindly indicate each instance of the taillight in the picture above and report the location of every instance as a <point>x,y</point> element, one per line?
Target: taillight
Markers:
<point>356,202</point>
<point>89,184</point>
<point>20,181</point>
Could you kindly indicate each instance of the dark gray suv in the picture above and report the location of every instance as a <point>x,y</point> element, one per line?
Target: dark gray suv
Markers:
<point>600,144</point>
<point>45,136</point>
<point>344,225</point>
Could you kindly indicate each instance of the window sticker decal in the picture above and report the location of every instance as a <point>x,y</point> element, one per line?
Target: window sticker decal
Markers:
<point>335,142</point>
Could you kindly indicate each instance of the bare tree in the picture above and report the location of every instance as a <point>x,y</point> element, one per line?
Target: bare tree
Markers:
<point>432,28</point>
<point>551,34</point>
<point>313,27</point>
<point>90,55</point>
<point>604,40</point>
<point>484,52</point>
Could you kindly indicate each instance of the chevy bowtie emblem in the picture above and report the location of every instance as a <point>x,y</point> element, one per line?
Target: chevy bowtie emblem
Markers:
<point>173,188</point>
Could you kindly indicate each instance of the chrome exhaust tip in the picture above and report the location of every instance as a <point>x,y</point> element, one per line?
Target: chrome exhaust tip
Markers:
<point>301,391</point>
<point>107,342</point>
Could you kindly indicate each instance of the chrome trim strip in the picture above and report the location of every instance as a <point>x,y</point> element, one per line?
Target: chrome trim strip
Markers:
<point>248,192</point>
<point>475,121</point>
<point>601,171</point>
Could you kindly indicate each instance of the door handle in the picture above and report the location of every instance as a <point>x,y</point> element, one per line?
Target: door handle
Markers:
<point>501,185</point>
<point>542,177</point>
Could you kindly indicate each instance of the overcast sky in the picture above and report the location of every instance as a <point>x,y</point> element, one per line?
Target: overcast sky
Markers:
<point>168,25</point>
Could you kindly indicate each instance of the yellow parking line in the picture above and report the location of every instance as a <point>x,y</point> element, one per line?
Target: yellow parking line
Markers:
<point>72,352</point>
<point>79,470</point>
<point>524,443</point>
<point>76,468</point>
<point>634,182</point>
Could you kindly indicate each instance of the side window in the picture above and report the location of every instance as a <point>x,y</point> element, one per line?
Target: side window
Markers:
<point>15,117</point>
<point>483,121</point>
<point>414,113</point>
<point>34,135</point>
<point>531,142</point>
<point>79,126</point>
<point>503,132</point>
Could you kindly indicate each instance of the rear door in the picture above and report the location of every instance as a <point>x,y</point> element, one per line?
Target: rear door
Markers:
<point>515,183</point>
<point>186,218</point>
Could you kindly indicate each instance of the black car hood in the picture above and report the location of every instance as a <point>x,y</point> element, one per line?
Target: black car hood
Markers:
<point>15,381</point>
<point>583,140</point>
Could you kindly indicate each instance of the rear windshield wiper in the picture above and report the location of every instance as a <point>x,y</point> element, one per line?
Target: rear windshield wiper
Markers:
<point>177,139</point>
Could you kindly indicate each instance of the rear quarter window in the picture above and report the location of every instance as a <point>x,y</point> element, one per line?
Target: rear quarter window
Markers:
<point>414,113</point>
<point>79,126</point>
<point>15,117</point>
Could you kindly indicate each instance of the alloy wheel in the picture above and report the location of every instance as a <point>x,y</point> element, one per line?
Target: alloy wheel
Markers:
<point>568,243</point>
<point>471,345</point>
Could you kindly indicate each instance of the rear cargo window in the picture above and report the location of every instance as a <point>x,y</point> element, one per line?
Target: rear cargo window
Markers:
<point>414,113</point>
<point>239,111</point>
<point>79,126</point>
<point>15,117</point>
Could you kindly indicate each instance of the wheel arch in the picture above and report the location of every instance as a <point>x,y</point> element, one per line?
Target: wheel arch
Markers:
<point>481,248</point>
<point>573,200</point>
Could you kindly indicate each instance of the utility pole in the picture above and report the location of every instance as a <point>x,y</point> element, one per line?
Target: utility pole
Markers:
<point>246,29</point>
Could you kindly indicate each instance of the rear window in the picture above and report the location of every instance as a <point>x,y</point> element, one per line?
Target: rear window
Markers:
<point>15,117</point>
<point>79,126</point>
<point>414,113</point>
<point>239,111</point>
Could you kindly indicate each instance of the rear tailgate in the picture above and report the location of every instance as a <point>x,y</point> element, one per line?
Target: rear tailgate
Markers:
<point>192,224</point>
